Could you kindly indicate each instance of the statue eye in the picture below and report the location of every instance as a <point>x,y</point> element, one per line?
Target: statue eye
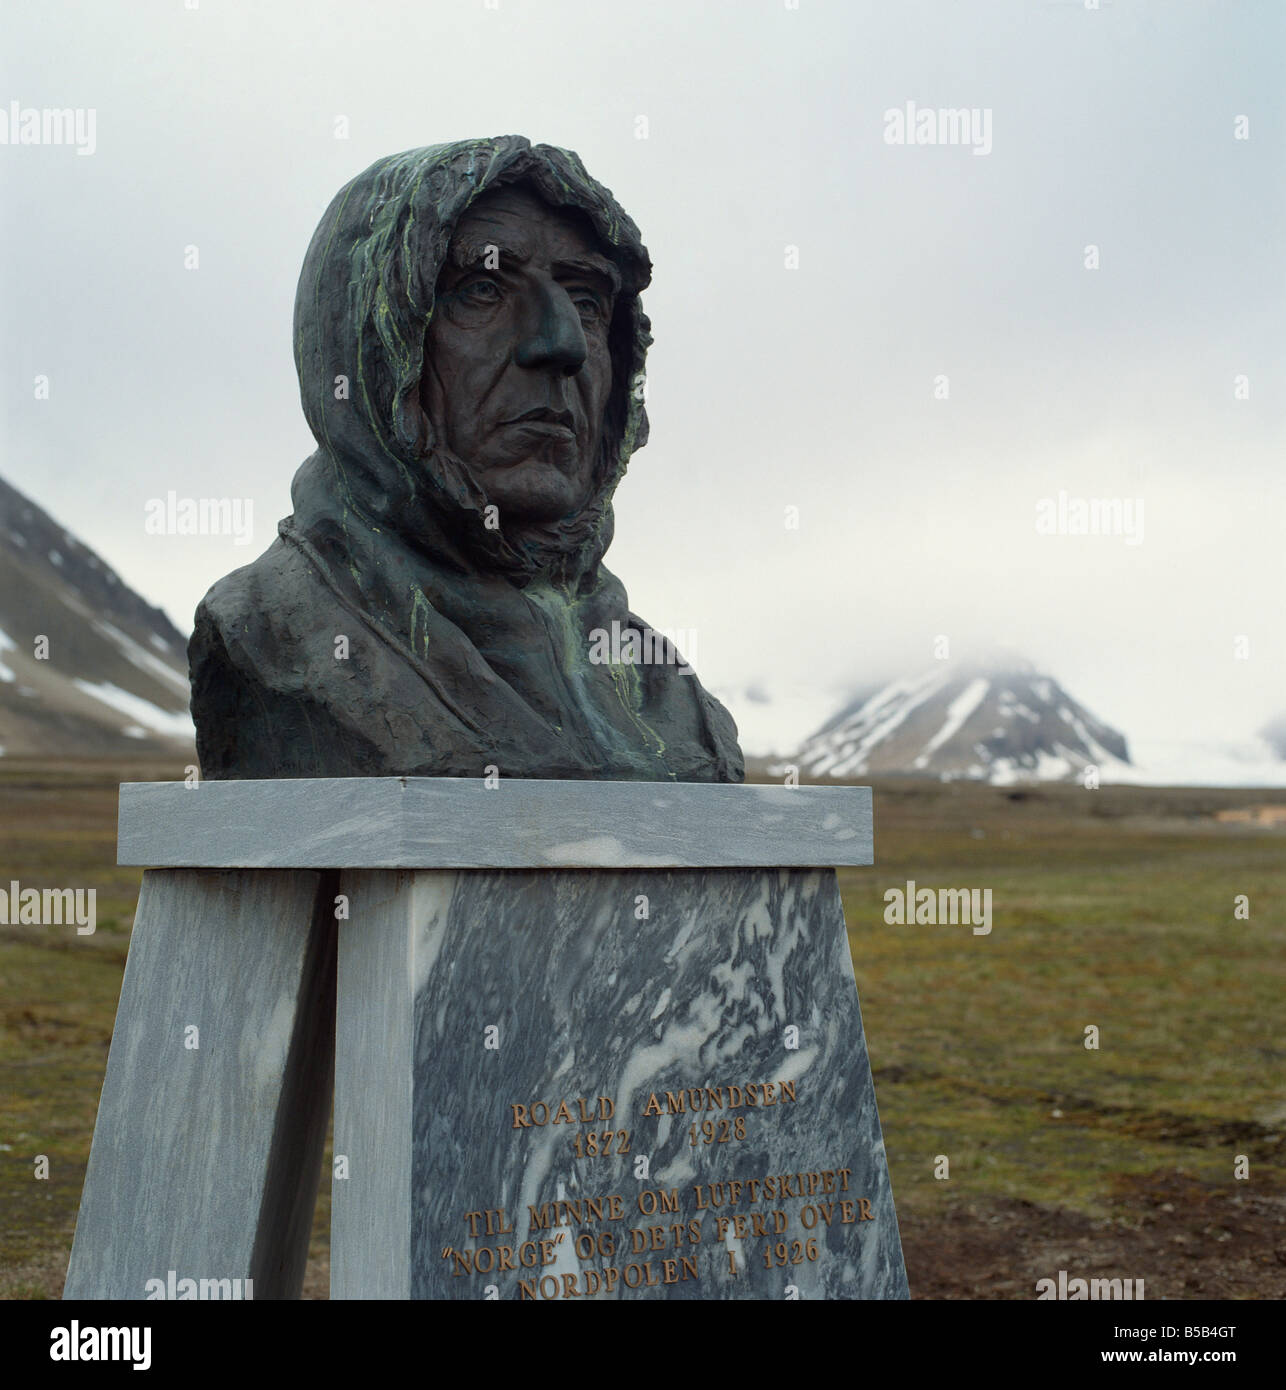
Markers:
<point>479,291</point>
<point>590,307</point>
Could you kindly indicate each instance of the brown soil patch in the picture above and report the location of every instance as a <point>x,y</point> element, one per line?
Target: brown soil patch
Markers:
<point>1184,1240</point>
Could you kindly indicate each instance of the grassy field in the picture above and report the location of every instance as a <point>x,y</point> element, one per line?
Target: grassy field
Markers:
<point>1112,908</point>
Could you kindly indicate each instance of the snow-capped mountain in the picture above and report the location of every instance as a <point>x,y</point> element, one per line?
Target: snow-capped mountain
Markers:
<point>987,722</point>
<point>110,675</point>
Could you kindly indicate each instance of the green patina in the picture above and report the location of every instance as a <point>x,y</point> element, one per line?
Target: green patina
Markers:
<point>420,610</point>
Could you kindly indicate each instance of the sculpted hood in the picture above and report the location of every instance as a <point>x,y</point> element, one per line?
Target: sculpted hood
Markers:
<point>389,629</point>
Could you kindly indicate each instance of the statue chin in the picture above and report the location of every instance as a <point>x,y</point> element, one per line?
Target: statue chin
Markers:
<point>533,491</point>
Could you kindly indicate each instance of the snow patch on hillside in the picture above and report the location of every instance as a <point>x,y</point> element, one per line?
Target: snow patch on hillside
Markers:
<point>957,712</point>
<point>140,711</point>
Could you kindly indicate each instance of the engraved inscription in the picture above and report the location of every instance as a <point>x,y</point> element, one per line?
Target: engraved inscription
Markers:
<point>656,1236</point>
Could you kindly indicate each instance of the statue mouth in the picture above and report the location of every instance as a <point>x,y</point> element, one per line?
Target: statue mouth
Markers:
<point>544,416</point>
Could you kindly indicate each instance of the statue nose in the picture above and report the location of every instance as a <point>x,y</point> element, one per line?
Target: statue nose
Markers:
<point>553,338</point>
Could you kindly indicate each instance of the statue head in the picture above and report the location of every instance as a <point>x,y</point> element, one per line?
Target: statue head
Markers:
<point>470,345</point>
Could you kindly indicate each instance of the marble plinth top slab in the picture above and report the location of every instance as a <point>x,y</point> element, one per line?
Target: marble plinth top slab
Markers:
<point>462,823</point>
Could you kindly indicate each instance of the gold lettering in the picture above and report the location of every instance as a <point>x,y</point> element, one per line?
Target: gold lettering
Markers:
<point>787,1090</point>
<point>520,1117</point>
<point>653,1106</point>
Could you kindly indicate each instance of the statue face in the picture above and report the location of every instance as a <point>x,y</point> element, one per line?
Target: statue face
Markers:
<point>518,372</point>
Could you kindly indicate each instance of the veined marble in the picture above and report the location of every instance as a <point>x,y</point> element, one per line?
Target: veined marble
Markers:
<point>618,994</point>
<point>460,823</point>
<point>208,1144</point>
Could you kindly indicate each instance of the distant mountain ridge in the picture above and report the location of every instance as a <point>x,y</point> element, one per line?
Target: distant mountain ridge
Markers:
<point>114,677</point>
<point>996,722</point>
<point>1274,734</point>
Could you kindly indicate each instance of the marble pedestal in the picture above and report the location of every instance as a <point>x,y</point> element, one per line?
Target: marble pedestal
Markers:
<point>592,1040</point>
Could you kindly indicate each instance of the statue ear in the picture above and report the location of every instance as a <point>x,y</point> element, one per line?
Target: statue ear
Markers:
<point>414,431</point>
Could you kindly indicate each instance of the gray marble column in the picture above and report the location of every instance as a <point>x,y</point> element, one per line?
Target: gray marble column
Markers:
<point>207,1149</point>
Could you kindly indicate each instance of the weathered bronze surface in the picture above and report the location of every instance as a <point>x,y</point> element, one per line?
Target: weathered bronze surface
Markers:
<point>471,348</point>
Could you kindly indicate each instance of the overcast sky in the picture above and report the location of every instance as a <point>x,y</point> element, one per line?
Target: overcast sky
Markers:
<point>770,386</point>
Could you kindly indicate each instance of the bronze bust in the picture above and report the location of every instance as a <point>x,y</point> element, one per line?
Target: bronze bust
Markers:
<point>471,347</point>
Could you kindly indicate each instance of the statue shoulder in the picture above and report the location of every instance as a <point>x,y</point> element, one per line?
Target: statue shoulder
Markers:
<point>258,615</point>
